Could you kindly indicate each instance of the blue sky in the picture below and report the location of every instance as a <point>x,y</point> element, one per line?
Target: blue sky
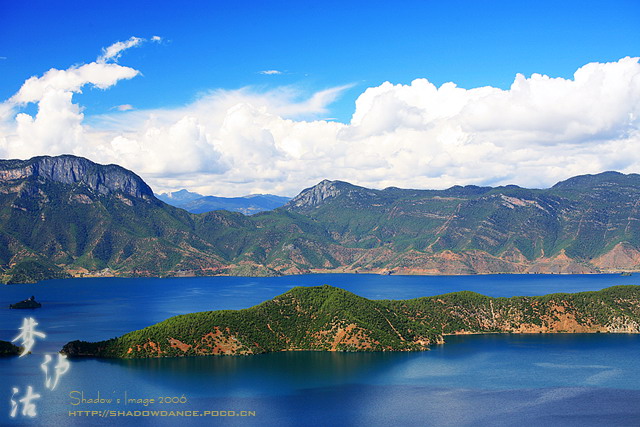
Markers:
<point>314,46</point>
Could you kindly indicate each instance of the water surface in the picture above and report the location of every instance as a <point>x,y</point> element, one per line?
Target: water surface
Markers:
<point>572,379</point>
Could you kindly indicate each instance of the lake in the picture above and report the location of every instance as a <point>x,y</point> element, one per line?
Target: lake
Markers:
<point>572,379</point>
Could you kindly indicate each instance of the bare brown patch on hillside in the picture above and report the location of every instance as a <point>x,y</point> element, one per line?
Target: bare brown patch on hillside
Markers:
<point>220,342</point>
<point>622,256</point>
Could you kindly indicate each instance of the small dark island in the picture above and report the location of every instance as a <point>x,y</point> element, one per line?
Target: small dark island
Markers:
<point>28,303</point>
<point>8,349</point>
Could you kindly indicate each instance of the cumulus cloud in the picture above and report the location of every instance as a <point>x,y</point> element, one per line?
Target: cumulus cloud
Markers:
<point>179,148</point>
<point>540,130</point>
<point>229,142</point>
<point>99,75</point>
<point>58,125</point>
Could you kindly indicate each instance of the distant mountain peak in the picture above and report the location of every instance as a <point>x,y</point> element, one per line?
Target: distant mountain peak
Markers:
<point>592,180</point>
<point>316,195</point>
<point>69,169</point>
<point>179,197</point>
<point>197,203</point>
<point>182,192</point>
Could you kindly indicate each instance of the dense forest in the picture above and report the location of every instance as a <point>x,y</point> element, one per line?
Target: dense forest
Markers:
<point>332,319</point>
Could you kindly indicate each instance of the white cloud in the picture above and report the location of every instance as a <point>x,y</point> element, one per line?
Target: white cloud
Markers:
<point>99,75</point>
<point>270,72</point>
<point>113,52</point>
<point>167,150</point>
<point>232,142</point>
<point>57,127</point>
<point>123,107</point>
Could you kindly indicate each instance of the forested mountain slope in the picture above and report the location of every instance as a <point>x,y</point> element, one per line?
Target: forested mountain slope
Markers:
<point>67,216</point>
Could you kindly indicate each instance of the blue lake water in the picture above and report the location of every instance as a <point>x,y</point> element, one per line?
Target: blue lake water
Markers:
<point>572,379</point>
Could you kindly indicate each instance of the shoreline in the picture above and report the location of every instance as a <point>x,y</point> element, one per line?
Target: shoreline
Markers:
<point>329,272</point>
<point>364,351</point>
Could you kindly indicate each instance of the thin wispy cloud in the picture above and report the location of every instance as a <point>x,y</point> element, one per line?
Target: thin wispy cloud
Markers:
<point>123,107</point>
<point>270,72</point>
<point>114,52</point>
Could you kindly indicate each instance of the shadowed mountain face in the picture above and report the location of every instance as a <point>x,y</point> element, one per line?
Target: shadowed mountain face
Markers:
<point>66,215</point>
<point>332,319</point>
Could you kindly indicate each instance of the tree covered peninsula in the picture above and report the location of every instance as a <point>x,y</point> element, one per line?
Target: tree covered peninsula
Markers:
<point>327,318</point>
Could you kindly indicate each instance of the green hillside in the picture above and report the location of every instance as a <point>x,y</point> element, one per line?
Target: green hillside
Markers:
<point>331,319</point>
<point>584,217</point>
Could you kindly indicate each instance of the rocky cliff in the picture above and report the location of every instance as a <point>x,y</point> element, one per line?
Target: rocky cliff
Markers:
<point>101,179</point>
<point>316,195</point>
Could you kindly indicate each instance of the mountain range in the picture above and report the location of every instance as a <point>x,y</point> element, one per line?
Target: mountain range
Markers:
<point>66,216</point>
<point>197,203</point>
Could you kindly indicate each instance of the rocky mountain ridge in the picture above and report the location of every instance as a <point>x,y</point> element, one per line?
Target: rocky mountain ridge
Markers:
<point>66,216</point>
<point>67,169</point>
<point>314,196</point>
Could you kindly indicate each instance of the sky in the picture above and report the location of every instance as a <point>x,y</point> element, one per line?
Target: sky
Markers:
<point>245,97</point>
